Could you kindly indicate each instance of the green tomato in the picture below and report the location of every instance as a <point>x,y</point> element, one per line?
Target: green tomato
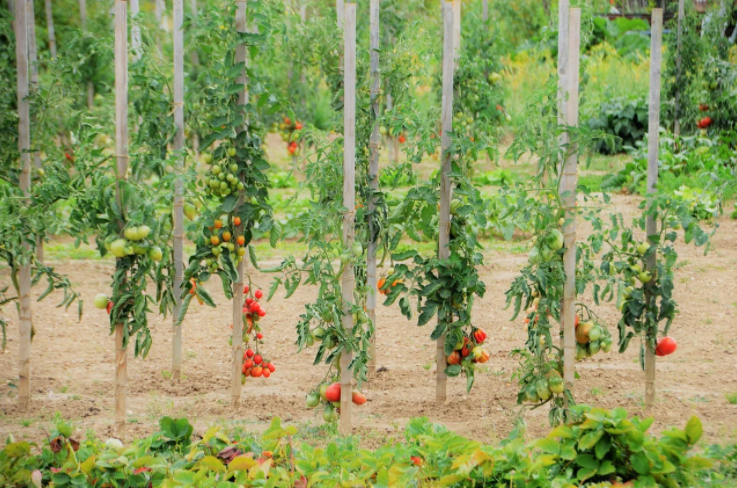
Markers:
<point>455,205</point>
<point>555,240</point>
<point>101,301</point>
<point>312,400</point>
<point>117,247</point>
<point>155,254</point>
<point>319,333</point>
<point>645,276</point>
<point>231,152</point>
<point>234,168</point>
<point>189,211</point>
<point>357,249</point>
<point>206,158</point>
<point>216,170</point>
<point>595,333</point>
<point>542,389</point>
<point>642,248</point>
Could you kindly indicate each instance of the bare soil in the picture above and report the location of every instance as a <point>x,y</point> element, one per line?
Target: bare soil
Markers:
<point>72,362</point>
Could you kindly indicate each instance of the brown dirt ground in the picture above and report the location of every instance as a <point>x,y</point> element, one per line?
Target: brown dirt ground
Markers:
<point>72,363</point>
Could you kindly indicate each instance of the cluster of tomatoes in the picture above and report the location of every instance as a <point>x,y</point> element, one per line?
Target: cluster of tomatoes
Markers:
<point>382,283</point>
<point>222,178</point>
<point>286,130</point>
<point>469,346</point>
<point>591,337</point>
<point>541,389</point>
<point>222,240</point>
<point>254,364</point>
<point>329,393</point>
<point>385,132</point>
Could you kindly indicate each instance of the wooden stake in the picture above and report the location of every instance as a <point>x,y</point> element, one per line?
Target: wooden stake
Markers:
<point>83,13</point>
<point>349,202</point>
<point>485,10</point>
<point>195,56</point>
<point>445,184</point>
<point>237,361</point>
<point>653,145</point>
<point>568,184</point>
<point>563,8</point>
<point>121,151</point>
<point>679,43</point>
<point>178,185</point>
<point>24,145</point>
<point>33,66</point>
<point>340,10</point>
<point>374,179</point>
<point>50,28</point>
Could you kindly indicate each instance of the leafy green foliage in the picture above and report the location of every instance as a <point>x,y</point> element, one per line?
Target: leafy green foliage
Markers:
<point>600,446</point>
<point>622,118</point>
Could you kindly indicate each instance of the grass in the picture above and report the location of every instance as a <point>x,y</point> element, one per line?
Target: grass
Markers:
<point>732,398</point>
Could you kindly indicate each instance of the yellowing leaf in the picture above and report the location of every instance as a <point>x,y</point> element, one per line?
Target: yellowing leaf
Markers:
<point>241,463</point>
<point>143,461</point>
<point>88,465</point>
<point>212,463</point>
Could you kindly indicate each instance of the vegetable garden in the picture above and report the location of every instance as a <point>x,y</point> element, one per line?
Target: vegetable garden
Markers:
<point>302,226</point>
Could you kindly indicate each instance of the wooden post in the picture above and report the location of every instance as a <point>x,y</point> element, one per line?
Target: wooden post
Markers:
<point>33,68</point>
<point>374,180</point>
<point>83,23</point>
<point>568,184</point>
<point>50,28</point>
<point>237,361</point>
<point>563,16</point>
<point>136,31</point>
<point>178,186</point>
<point>445,183</point>
<point>349,202</point>
<point>24,144</point>
<point>121,152</point>
<point>653,145</point>
<point>340,9</point>
<point>679,43</point>
<point>485,10</point>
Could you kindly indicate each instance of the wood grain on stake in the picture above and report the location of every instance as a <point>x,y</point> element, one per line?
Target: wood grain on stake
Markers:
<point>374,180</point>
<point>136,31</point>
<point>121,152</point>
<point>457,5</point>
<point>24,144</point>
<point>445,184</point>
<point>568,184</point>
<point>178,186</point>
<point>653,145</point>
<point>349,202</point>
<point>33,69</point>
<point>237,363</point>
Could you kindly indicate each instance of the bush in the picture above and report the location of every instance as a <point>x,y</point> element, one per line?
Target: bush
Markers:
<point>623,118</point>
<point>602,446</point>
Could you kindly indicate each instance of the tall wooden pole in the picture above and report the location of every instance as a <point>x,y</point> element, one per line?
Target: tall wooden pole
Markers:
<point>83,23</point>
<point>563,7</point>
<point>485,10</point>
<point>237,361</point>
<point>24,145</point>
<point>349,202</point>
<point>374,180</point>
<point>178,186</point>
<point>445,183</point>
<point>679,43</point>
<point>653,145</point>
<point>50,28</point>
<point>121,152</point>
<point>33,65</point>
<point>195,56</point>
<point>568,184</point>
<point>340,10</point>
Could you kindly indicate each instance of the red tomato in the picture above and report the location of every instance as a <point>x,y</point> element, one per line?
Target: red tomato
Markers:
<point>416,460</point>
<point>465,352</point>
<point>358,398</point>
<point>266,373</point>
<point>287,120</point>
<point>402,139</point>
<point>271,367</point>
<point>236,221</point>
<point>250,353</point>
<point>245,289</point>
<point>249,301</point>
<point>666,345</point>
<point>480,336</point>
<point>259,336</point>
<point>332,394</point>
<point>258,359</point>
<point>109,307</point>
<point>298,126</point>
<point>261,313</point>
<point>257,371</point>
<point>258,294</point>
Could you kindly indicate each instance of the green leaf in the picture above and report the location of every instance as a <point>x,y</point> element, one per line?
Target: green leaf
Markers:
<point>587,461</point>
<point>606,468</point>
<point>694,430</point>
<point>602,447</point>
<point>549,445</point>
<point>453,370</point>
<point>640,463</point>
<point>589,440</point>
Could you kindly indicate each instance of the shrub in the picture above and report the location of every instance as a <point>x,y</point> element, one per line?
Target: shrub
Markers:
<point>623,118</point>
